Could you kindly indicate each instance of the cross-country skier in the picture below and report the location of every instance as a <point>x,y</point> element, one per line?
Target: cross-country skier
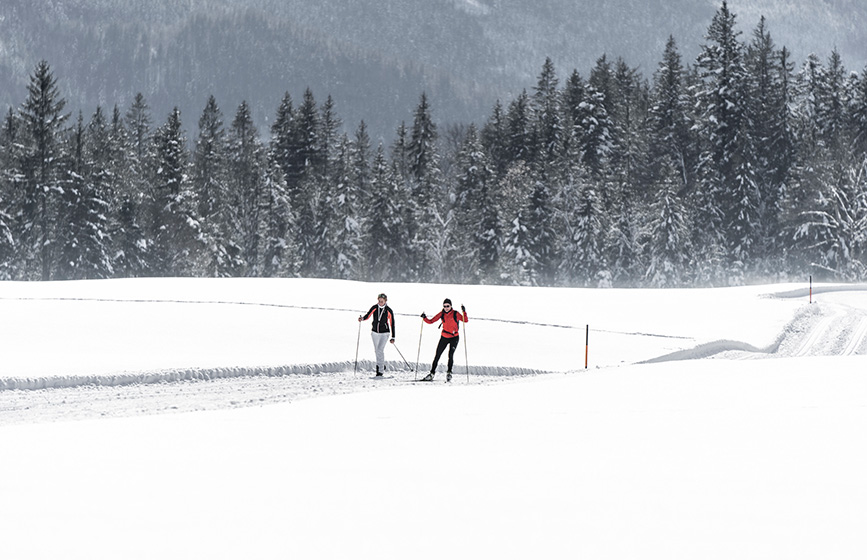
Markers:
<point>450,337</point>
<point>383,329</point>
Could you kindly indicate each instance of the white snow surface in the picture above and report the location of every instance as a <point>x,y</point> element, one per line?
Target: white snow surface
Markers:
<point>175,418</point>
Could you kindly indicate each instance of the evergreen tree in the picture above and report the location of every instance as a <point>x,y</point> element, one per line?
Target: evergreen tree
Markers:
<point>668,234</point>
<point>548,115</point>
<point>246,188</point>
<point>361,161</point>
<point>494,138</point>
<point>280,254</point>
<point>427,219</point>
<point>858,116</point>
<point>477,248</point>
<point>84,235</point>
<point>174,229</point>
<point>386,242</point>
<point>304,182</point>
<point>284,143</point>
<point>837,228</point>
<point>585,231</point>
<point>344,232</point>
<point>215,205</point>
<point>131,141</point>
<point>42,121</point>
<point>670,141</point>
<point>520,136</point>
<point>10,179</point>
<point>517,262</point>
<point>729,200</point>
<point>770,132</point>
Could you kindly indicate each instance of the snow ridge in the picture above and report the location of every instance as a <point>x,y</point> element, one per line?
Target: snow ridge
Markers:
<point>206,374</point>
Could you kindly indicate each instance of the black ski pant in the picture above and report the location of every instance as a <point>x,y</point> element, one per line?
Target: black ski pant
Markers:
<point>452,343</point>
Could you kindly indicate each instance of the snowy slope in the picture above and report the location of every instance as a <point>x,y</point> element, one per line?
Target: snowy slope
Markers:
<point>740,454</point>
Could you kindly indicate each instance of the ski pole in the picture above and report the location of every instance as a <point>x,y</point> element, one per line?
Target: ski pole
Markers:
<point>466,359</point>
<point>418,355</point>
<point>357,344</point>
<point>401,356</point>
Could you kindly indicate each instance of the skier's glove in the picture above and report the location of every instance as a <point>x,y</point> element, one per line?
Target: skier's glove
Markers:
<point>423,316</point>
<point>360,318</point>
<point>464,309</point>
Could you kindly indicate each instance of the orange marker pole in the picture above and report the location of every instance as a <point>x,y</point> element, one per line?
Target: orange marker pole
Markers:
<point>586,346</point>
<point>811,288</point>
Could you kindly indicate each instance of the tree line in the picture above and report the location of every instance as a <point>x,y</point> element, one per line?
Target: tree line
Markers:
<point>735,168</point>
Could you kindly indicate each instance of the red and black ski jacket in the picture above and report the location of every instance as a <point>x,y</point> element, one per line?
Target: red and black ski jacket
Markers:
<point>383,319</point>
<point>450,321</point>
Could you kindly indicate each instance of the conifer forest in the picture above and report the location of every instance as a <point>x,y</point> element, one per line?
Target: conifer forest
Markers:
<point>740,166</point>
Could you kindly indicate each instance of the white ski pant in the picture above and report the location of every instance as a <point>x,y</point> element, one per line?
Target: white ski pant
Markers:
<point>380,339</point>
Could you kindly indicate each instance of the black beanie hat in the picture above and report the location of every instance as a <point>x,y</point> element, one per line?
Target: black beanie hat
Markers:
<point>447,301</point>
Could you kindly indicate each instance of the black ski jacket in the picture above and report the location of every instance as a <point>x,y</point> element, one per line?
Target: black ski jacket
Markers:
<point>382,320</point>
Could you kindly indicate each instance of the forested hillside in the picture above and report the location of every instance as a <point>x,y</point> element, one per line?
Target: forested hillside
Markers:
<point>738,164</point>
<point>373,57</point>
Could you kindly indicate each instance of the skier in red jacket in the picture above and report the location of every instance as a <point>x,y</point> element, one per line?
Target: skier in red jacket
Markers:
<point>450,322</point>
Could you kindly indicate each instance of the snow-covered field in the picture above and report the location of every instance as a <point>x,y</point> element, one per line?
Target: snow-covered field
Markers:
<point>170,418</point>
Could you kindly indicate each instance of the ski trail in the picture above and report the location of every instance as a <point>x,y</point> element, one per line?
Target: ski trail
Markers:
<point>815,335</point>
<point>857,338</point>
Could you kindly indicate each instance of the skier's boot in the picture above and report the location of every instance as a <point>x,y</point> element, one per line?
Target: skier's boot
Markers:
<point>428,377</point>
<point>379,373</point>
<point>448,377</point>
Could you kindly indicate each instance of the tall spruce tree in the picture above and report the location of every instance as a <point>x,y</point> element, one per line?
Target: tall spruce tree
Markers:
<point>428,219</point>
<point>728,199</point>
<point>215,206</point>
<point>477,248</point>
<point>174,229</point>
<point>670,141</point>
<point>246,188</point>
<point>84,236</point>
<point>42,122</point>
<point>10,179</point>
<point>386,244</point>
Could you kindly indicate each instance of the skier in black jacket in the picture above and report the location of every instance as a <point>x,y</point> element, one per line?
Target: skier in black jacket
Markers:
<point>383,329</point>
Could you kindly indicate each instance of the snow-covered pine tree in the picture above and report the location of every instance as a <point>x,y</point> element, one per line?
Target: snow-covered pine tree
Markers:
<point>344,235</point>
<point>494,139</point>
<point>279,252</point>
<point>83,229</point>
<point>303,181</point>
<point>585,226</point>
<point>728,198</point>
<point>813,175</point>
<point>476,248</point>
<point>386,244</point>
<point>10,178</point>
<point>131,138</point>
<point>175,230</point>
<point>361,162</point>
<point>246,189</point>
<point>668,232</point>
<point>837,228</point>
<point>858,116</point>
<point>210,182</point>
<point>670,140</point>
<point>520,136</point>
<point>428,220</point>
<point>42,137</point>
<point>548,115</point>
<point>517,264</point>
<point>768,96</point>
